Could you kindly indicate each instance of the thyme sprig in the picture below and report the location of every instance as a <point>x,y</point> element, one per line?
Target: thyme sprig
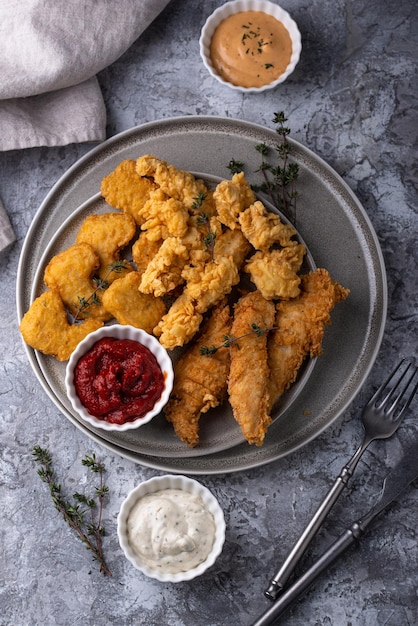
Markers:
<point>203,219</point>
<point>101,284</point>
<point>81,519</point>
<point>280,180</point>
<point>230,340</point>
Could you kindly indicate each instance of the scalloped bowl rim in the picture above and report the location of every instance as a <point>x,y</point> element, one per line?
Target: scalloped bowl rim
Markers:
<point>120,332</point>
<point>237,6</point>
<point>171,481</point>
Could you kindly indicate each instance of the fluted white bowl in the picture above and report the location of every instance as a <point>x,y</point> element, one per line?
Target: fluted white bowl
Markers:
<point>189,485</point>
<point>119,332</point>
<point>237,6</point>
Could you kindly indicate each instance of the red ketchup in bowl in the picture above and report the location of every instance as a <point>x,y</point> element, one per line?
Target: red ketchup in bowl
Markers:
<point>118,380</point>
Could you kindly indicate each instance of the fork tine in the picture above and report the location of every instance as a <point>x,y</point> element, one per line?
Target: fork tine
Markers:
<point>384,401</point>
<point>385,385</point>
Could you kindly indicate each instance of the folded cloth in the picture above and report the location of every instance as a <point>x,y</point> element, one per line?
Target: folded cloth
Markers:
<point>50,52</point>
<point>7,235</point>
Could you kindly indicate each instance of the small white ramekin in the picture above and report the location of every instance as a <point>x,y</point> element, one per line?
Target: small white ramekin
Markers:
<point>183,483</point>
<point>237,6</point>
<point>119,332</point>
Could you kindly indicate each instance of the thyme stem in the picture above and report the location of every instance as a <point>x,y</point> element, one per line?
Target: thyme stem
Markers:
<point>72,513</point>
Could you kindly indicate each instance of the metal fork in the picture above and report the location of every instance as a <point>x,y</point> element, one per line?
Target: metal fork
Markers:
<point>381,417</point>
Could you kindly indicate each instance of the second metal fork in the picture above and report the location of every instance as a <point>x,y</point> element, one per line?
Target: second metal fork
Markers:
<point>381,418</point>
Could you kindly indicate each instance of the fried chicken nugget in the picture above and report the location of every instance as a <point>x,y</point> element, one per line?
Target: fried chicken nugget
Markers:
<point>108,234</point>
<point>200,381</point>
<point>128,306</point>
<point>70,273</point>
<point>275,273</point>
<point>232,197</point>
<point>176,183</point>
<point>300,326</point>
<point>249,372</point>
<point>125,190</point>
<point>45,327</point>
<point>263,229</point>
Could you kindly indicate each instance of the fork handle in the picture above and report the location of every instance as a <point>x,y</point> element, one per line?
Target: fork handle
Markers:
<point>294,592</point>
<point>277,583</point>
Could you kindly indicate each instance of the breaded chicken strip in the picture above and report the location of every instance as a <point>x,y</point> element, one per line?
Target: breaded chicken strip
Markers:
<point>128,306</point>
<point>180,324</point>
<point>143,251</point>
<point>208,287</point>
<point>200,381</point>
<point>232,243</point>
<point>249,373</point>
<point>275,273</point>
<point>300,328</point>
<point>45,327</point>
<point>124,189</point>
<point>164,271</point>
<point>176,183</point>
<point>108,234</point>
<point>70,273</point>
<point>232,197</point>
<point>264,229</point>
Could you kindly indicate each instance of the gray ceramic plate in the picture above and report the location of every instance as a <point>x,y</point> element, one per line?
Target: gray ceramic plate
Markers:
<point>336,230</point>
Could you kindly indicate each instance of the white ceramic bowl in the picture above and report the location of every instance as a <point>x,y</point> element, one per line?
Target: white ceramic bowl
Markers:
<point>189,485</point>
<point>236,6</point>
<point>120,332</point>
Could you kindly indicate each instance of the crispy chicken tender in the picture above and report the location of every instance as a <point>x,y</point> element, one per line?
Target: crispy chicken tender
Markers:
<point>264,229</point>
<point>164,271</point>
<point>232,197</point>
<point>300,326</point>
<point>143,251</point>
<point>108,234</point>
<point>176,183</point>
<point>180,324</point>
<point>232,243</point>
<point>45,327</point>
<point>128,306</point>
<point>207,286</point>
<point>200,381</point>
<point>125,190</point>
<point>165,217</point>
<point>249,373</point>
<point>275,273</point>
<point>70,273</point>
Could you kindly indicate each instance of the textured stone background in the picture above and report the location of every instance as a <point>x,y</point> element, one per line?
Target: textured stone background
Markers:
<point>352,100</point>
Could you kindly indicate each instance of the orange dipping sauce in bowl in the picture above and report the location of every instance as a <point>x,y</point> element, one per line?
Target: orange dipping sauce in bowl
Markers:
<point>250,49</point>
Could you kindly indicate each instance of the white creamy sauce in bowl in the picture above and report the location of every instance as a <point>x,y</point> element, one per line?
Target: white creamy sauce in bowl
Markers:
<point>171,530</point>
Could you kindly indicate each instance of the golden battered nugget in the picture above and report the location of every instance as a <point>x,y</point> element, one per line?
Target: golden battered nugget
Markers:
<point>126,190</point>
<point>108,234</point>
<point>128,306</point>
<point>45,327</point>
<point>71,273</point>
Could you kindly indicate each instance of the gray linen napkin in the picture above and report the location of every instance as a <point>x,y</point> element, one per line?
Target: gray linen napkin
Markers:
<point>50,53</point>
